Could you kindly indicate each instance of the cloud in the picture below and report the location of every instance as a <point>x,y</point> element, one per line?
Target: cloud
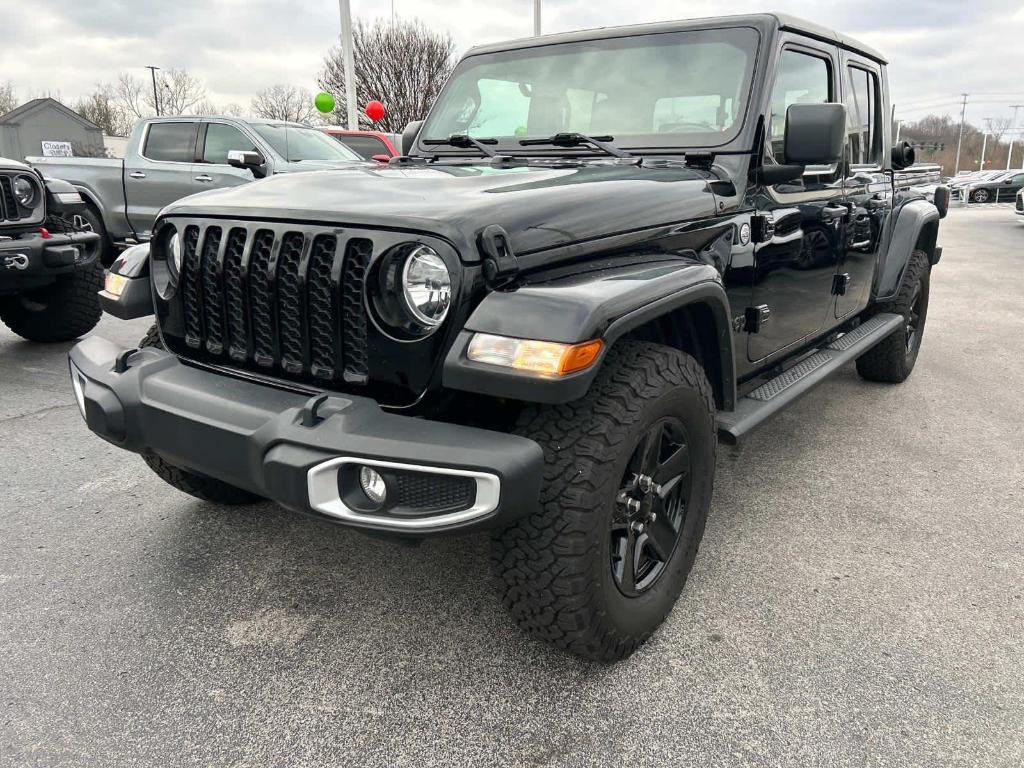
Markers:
<point>937,49</point>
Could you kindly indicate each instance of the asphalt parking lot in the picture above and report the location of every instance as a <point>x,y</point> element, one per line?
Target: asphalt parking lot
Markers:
<point>858,599</point>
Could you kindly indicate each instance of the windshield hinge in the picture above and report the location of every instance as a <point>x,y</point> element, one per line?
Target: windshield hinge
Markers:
<point>500,263</point>
<point>701,160</point>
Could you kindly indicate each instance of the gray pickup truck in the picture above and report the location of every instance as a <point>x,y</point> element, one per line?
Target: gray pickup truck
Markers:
<point>169,158</point>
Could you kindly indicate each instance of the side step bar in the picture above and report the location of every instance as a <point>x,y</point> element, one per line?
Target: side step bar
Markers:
<point>756,407</point>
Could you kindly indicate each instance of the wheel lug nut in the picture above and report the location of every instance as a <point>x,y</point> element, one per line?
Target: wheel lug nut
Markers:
<point>638,527</point>
<point>651,518</point>
<point>632,506</point>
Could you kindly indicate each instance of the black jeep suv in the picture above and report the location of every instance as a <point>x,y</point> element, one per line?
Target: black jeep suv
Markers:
<point>49,273</point>
<point>600,254</point>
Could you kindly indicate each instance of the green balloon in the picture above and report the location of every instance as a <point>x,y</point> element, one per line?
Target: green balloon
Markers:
<point>324,102</point>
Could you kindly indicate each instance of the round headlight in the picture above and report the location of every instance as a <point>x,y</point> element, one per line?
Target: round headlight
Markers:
<point>24,191</point>
<point>427,286</point>
<point>174,252</point>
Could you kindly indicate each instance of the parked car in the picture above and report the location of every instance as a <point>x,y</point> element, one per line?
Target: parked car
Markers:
<point>999,188</point>
<point>543,319</point>
<point>172,157</point>
<point>49,274</point>
<point>369,145</point>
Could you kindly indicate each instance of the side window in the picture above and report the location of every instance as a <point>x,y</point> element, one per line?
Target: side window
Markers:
<point>862,112</point>
<point>221,139</point>
<point>171,142</point>
<point>364,146</point>
<point>802,79</point>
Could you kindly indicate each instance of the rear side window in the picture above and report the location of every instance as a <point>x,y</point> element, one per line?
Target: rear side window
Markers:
<point>364,146</point>
<point>802,79</point>
<point>171,142</point>
<point>221,139</point>
<point>862,112</point>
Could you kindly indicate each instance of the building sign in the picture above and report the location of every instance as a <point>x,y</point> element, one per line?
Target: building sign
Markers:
<point>57,149</point>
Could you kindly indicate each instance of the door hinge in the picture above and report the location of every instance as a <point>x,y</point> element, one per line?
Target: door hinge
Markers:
<point>840,283</point>
<point>755,317</point>
<point>762,228</point>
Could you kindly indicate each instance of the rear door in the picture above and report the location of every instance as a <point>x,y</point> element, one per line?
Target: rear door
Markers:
<point>868,191</point>
<point>211,170</point>
<point>161,171</point>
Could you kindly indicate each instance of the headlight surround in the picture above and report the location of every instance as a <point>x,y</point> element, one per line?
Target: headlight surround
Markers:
<point>426,286</point>
<point>25,191</point>
<point>165,260</point>
<point>174,252</point>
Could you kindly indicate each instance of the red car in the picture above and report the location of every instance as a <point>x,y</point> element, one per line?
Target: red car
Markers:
<point>369,145</point>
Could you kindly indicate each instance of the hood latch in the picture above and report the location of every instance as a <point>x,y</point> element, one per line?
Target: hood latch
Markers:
<point>500,263</point>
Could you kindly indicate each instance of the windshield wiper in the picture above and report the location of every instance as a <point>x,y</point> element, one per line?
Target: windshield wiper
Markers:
<point>579,140</point>
<point>465,141</point>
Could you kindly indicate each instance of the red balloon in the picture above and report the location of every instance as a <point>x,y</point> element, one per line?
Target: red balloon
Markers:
<point>375,110</point>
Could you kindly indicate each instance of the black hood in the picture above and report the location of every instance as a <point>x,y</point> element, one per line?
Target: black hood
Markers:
<point>540,206</point>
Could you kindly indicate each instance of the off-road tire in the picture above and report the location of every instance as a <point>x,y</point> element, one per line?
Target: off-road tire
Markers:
<point>553,566</point>
<point>61,311</point>
<point>200,486</point>
<point>891,360</point>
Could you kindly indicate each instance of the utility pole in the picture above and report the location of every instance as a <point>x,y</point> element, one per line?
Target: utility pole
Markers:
<point>960,139</point>
<point>348,61</point>
<point>899,124</point>
<point>156,99</point>
<point>984,143</point>
<point>1013,129</point>
<point>536,18</point>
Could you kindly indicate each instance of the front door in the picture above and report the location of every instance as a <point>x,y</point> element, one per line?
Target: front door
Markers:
<point>795,270</point>
<point>160,172</point>
<point>212,169</point>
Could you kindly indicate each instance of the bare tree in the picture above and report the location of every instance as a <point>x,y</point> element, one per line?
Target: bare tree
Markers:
<point>227,109</point>
<point>180,92</point>
<point>402,65</point>
<point>7,98</point>
<point>284,102</point>
<point>134,96</point>
<point>103,107</point>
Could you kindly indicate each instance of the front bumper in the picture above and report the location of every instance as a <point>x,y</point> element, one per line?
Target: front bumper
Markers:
<point>35,255</point>
<point>291,448</point>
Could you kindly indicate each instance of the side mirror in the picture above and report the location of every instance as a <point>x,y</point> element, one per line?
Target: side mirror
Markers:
<point>250,160</point>
<point>903,156</point>
<point>381,158</point>
<point>409,136</point>
<point>941,200</point>
<point>815,134</point>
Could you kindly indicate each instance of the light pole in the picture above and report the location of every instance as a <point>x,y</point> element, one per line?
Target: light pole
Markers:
<point>156,100</point>
<point>536,18</point>
<point>960,139</point>
<point>984,143</point>
<point>348,62</point>
<point>1013,128</point>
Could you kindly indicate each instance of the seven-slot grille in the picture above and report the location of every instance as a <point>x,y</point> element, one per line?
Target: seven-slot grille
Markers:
<point>8,205</point>
<point>276,300</point>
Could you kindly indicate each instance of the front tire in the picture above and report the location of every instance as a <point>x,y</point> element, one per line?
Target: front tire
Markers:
<point>90,220</point>
<point>593,571</point>
<point>61,311</point>
<point>980,196</point>
<point>892,360</point>
<point>192,483</point>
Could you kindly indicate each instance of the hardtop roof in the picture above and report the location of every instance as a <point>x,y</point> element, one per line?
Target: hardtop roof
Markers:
<point>766,23</point>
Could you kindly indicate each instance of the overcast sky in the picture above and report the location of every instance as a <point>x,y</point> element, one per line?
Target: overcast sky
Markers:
<point>937,48</point>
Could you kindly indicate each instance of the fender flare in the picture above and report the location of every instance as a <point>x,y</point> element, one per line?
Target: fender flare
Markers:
<point>605,304</point>
<point>910,221</point>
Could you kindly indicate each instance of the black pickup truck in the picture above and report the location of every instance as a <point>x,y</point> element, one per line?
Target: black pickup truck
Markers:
<point>49,272</point>
<point>601,254</point>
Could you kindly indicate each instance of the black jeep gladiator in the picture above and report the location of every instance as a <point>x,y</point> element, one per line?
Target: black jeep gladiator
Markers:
<point>49,273</point>
<point>600,254</point>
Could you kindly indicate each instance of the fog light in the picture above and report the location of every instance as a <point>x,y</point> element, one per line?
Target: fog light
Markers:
<point>373,485</point>
<point>78,385</point>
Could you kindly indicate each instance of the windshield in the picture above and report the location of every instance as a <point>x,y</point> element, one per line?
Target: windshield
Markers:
<point>296,144</point>
<point>657,90</point>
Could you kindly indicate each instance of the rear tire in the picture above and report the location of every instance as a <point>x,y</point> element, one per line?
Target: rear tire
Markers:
<point>563,569</point>
<point>981,196</point>
<point>192,483</point>
<point>892,360</point>
<point>61,311</point>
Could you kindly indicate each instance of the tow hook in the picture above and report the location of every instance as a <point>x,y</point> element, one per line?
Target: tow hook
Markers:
<point>16,261</point>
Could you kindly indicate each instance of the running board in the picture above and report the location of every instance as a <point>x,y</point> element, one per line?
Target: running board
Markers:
<point>756,407</point>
